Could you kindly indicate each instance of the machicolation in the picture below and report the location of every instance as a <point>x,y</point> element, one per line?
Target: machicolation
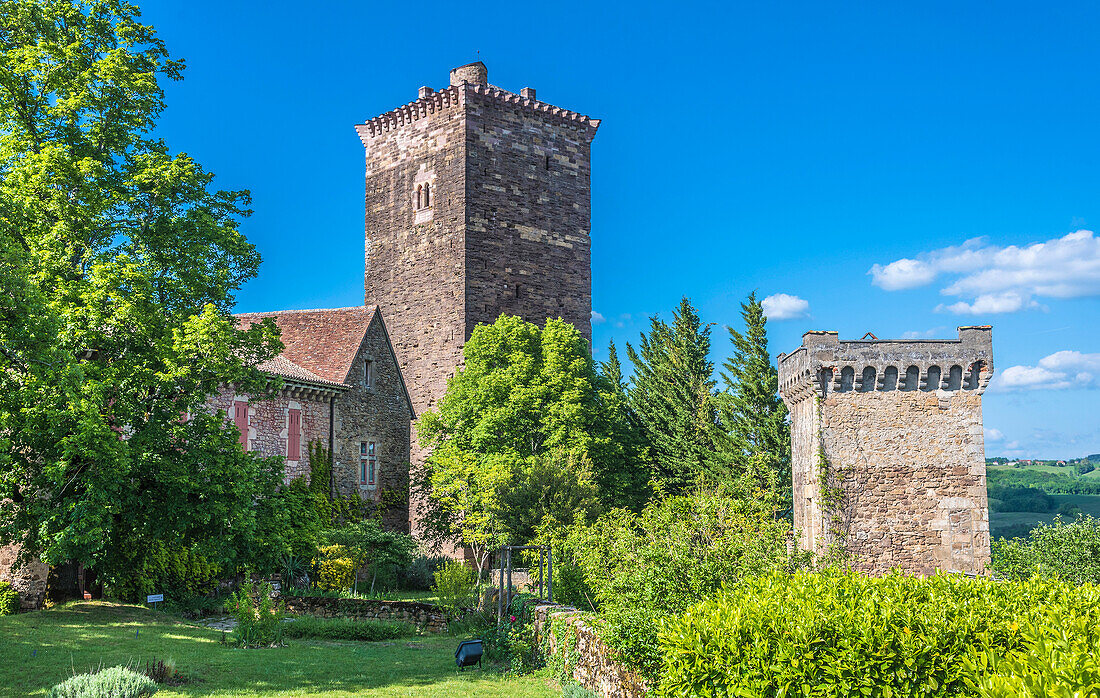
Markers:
<point>888,451</point>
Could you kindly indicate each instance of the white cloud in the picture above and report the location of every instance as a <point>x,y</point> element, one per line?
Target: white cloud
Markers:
<point>994,435</point>
<point>994,279</point>
<point>781,306</point>
<point>598,318</point>
<point>1060,370</point>
<point>923,334</point>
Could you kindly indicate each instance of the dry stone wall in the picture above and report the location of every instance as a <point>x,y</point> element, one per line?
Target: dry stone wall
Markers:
<point>424,616</point>
<point>888,449</point>
<point>29,579</point>
<point>577,646</point>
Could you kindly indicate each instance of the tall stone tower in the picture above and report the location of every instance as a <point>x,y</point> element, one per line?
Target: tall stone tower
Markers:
<point>477,203</point>
<point>888,450</point>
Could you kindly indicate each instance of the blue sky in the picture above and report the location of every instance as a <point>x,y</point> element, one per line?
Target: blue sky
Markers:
<point>783,147</point>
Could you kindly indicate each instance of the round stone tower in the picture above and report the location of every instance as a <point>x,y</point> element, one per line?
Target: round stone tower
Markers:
<point>473,73</point>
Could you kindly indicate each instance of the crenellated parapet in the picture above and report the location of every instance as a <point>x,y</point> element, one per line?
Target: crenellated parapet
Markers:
<point>434,101</point>
<point>824,365</point>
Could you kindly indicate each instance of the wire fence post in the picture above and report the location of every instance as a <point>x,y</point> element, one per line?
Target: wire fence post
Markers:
<point>549,574</point>
<point>500,587</point>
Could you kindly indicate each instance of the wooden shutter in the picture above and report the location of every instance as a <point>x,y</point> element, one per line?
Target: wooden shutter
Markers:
<point>240,418</point>
<point>294,435</point>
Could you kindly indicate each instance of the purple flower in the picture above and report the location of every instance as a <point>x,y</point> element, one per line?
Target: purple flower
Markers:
<point>512,619</point>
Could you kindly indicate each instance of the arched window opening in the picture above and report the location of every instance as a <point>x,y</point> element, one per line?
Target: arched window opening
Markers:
<point>867,380</point>
<point>955,378</point>
<point>847,379</point>
<point>890,378</point>
<point>933,381</point>
<point>427,195</point>
<point>419,197</point>
<point>974,376</point>
<point>912,378</point>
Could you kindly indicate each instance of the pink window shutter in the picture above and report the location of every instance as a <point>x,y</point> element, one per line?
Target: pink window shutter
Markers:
<point>294,437</point>
<point>240,418</point>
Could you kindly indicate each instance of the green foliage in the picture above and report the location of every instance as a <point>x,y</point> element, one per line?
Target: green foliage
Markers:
<point>180,573</point>
<point>419,575</point>
<point>755,440</point>
<point>9,599</point>
<point>259,617</point>
<point>572,689</point>
<point>290,523</point>
<point>527,403</point>
<point>455,583</point>
<point>1069,551</point>
<point>336,567</point>
<point>115,682</point>
<point>1059,658</point>
<point>1051,483</point>
<point>1020,499</point>
<point>644,568</point>
<point>672,394</point>
<point>384,554</point>
<point>346,629</point>
<point>844,634</point>
<point>119,263</point>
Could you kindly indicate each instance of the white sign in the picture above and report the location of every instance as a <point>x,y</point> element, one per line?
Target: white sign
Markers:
<point>153,598</point>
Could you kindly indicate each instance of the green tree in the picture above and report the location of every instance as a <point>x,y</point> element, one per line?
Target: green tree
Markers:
<point>527,401</point>
<point>119,263</point>
<point>672,393</point>
<point>753,417</point>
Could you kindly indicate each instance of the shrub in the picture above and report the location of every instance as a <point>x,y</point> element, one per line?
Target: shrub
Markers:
<point>843,634</point>
<point>455,584</point>
<point>337,567</point>
<point>572,689</point>
<point>163,671</point>
<point>259,617</point>
<point>9,599</point>
<point>347,629</point>
<point>180,573</point>
<point>644,568</point>
<point>419,575</point>
<point>1021,499</point>
<point>1069,551</point>
<point>382,553</point>
<point>116,682</point>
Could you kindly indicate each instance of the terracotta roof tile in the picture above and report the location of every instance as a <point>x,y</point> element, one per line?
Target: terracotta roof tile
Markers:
<point>282,366</point>
<point>323,343</point>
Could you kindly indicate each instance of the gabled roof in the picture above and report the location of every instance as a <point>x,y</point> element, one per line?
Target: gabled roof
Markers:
<point>322,342</point>
<point>285,368</point>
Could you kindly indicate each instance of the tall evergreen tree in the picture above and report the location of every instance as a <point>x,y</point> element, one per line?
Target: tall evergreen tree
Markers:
<point>757,441</point>
<point>672,393</point>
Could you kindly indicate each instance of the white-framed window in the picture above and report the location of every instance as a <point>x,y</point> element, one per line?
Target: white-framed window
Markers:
<point>368,373</point>
<point>368,462</point>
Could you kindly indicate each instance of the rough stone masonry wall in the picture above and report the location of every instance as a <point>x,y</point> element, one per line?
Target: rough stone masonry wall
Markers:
<point>578,647</point>
<point>268,423</point>
<point>29,580</point>
<point>424,616</point>
<point>912,469</point>
<point>528,215</point>
<point>377,413</point>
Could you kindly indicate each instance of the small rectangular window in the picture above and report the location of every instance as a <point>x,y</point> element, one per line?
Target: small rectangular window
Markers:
<point>368,373</point>
<point>368,462</point>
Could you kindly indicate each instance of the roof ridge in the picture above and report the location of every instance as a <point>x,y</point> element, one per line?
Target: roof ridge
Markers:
<point>455,95</point>
<point>266,313</point>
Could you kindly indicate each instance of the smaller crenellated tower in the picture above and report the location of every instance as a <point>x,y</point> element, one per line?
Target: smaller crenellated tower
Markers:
<point>888,452</point>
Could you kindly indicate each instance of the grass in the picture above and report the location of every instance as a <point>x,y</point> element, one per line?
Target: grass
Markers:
<point>1089,503</point>
<point>346,629</point>
<point>38,650</point>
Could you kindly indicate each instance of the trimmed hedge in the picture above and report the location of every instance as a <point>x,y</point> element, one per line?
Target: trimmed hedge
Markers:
<point>843,634</point>
<point>346,629</point>
<point>9,599</point>
<point>116,682</point>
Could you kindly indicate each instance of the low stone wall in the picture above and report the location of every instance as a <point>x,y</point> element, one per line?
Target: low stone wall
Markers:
<point>586,658</point>
<point>29,580</point>
<point>422,615</point>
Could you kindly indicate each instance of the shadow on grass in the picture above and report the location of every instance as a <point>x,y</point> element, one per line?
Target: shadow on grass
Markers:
<point>43,648</point>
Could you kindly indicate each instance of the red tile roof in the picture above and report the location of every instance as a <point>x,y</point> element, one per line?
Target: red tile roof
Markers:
<point>323,343</point>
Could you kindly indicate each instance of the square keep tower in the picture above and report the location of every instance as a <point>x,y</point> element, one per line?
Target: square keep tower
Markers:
<point>888,451</point>
<point>477,203</point>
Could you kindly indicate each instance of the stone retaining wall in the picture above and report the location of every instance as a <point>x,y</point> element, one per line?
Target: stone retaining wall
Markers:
<point>424,616</point>
<point>29,580</point>
<point>588,660</point>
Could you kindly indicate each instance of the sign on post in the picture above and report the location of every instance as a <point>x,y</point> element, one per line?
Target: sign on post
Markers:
<point>154,598</point>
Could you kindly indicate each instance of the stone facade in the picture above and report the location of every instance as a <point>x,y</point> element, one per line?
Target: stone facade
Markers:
<point>29,580</point>
<point>477,204</point>
<point>896,427</point>
<point>343,404</point>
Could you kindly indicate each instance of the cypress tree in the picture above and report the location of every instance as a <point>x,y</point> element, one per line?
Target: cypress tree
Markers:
<point>757,439</point>
<point>672,393</point>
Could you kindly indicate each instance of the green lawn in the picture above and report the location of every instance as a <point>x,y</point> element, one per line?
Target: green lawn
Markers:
<point>86,635</point>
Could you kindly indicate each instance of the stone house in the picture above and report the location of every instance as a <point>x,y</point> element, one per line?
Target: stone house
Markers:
<point>342,388</point>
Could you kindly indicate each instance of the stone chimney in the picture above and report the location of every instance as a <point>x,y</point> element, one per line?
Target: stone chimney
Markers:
<point>473,73</point>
